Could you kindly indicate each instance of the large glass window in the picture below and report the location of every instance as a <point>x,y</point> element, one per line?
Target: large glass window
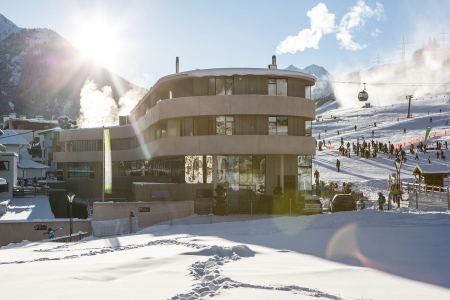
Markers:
<point>277,87</point>
<point>278,125</point>
<point>224,125</point>
<point>193,167</point>
<point>81,170</point>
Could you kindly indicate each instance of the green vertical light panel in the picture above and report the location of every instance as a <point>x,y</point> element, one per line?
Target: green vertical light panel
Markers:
<point>108,172</point>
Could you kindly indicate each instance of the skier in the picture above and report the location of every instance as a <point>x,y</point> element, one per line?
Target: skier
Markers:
<point>437,155</point>
<point>381,201</point>
<point>355,127</point>
<point>429,159</point>
<point>338,164</point>
<point>404,130</point>
<point>51,234</point>
<point>373,132</point>
<point>431,120</point>
<point>316,176</point>
<point>417,156</point>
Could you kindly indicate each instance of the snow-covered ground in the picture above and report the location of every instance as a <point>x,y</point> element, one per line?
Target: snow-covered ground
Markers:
<point>28,209</point>
<point>368,254</point>
<point>350,255</point>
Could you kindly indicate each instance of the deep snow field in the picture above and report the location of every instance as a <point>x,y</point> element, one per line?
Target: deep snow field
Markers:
<point>399,254</point>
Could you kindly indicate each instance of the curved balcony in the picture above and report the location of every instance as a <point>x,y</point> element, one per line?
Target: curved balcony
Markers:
<point>204,145</point>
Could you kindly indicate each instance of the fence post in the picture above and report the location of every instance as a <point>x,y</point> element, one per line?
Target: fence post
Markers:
<point>417,201</point>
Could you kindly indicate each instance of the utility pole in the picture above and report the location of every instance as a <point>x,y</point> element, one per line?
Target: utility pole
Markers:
<point>409,106</point>
<point>378,60</point>
<point>443,43</point>
<point>403,52</point>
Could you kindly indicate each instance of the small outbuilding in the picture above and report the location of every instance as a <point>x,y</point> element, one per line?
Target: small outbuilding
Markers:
<point>431,174</point>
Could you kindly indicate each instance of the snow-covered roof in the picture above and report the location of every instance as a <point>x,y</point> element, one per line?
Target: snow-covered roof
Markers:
<point>30,164</point>
<point>10,137</point>
<point>432,169</point>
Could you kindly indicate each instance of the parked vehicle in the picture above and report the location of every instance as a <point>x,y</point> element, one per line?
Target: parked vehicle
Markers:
<point>311,205</point>
<point>342,202</point>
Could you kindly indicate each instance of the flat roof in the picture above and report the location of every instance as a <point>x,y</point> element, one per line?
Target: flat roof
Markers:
<point>230,72</point>
<point>239,72</point>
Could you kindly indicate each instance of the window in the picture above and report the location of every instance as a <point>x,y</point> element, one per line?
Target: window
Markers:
<point>224,125</point>
<point>161,130</point>
<point>224,85</point>
<point>4,188</point>
<point>4,165</point>
<point>308,92</point>
<point>278,125</point>
<point>81,170</point>
<point>160,193</point>
<point>277,87</point>
<point>308,128</point>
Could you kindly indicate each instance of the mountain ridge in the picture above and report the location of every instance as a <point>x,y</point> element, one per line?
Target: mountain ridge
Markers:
<point>41,73</point>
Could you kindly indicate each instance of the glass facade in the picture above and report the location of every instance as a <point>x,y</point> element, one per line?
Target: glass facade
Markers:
<point>81,170</point>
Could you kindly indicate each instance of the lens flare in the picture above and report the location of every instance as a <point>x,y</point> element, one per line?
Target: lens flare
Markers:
<point>344,243</point>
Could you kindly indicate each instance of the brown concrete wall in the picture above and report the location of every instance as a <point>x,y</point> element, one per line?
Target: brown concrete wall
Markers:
<point>16,232</point>
<point>159,211</point>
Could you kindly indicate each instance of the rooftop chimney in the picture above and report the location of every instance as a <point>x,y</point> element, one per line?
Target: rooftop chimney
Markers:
<point>177,65</point>
<point>274,62</point>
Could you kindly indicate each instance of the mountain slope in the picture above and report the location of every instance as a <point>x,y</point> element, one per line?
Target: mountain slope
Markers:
<point>41,73</point>
<point>323,87</point>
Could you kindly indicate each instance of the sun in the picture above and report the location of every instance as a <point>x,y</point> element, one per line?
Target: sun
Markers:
<point>98,38</point>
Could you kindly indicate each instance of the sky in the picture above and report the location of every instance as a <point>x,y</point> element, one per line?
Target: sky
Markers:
<point>139,39</point>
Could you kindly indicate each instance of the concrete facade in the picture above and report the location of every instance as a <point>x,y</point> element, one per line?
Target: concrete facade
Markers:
<point>18,231</point>
<point>148,213</point>
<point>253,126</point>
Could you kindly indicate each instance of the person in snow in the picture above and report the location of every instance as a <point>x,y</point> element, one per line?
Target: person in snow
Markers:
<point>322,191</point>
<point>355,127</point>
<point>431,120</point>
<point>417,156</point>
<point>381,201</point>
<point>338,164</point>
<point>404,130</point>
<point>51,234</point>
<point>316,176</point>
<point>437,154</point>
<point>429,159</point>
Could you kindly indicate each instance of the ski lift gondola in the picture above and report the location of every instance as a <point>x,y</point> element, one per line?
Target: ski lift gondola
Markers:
<point>34,149</point>
<point>363,96</point>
